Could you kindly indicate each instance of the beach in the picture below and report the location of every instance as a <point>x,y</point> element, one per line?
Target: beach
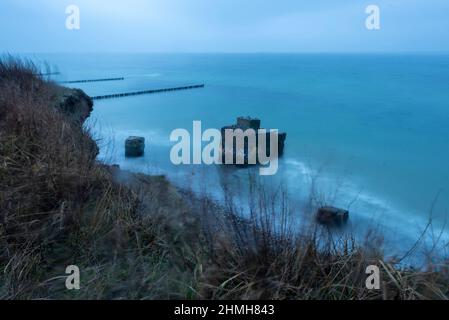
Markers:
<point>363,130</point>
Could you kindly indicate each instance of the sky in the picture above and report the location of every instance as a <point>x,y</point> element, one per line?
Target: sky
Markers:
<point>224,26</point>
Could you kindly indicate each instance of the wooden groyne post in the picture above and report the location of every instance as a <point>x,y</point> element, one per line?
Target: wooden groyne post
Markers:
<point>47,74</point>
<point>93,80</point>
<point>136,93</point>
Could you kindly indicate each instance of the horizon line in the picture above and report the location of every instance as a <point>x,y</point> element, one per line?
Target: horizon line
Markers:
<point>232,52</point>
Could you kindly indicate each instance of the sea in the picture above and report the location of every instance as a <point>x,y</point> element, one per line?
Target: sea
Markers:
<point>365,132</point>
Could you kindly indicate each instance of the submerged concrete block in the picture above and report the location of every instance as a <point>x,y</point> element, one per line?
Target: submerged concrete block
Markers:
<point>134,146</point>
<point>248,123</point>
<point>245,123</point>
<point>331,216</point>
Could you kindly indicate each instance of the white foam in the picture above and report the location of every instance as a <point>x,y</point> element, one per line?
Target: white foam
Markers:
<point>299,167</point>
<point>398,226</point>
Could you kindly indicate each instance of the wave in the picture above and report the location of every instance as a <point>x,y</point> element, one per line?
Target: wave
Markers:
<point>399,227</point>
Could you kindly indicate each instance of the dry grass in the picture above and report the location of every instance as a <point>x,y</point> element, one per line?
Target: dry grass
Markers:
<point>135,237</point>
<point>263,258</point>
<point>59,207</point>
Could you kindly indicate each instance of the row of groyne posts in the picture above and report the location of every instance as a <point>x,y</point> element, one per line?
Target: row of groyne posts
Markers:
<point>136,93</point>
<point>133,93</point>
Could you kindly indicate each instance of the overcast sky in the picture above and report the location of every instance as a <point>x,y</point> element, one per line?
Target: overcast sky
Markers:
<point>223,26</point>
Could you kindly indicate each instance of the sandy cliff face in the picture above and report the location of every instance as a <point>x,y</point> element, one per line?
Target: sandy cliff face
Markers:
<point>77,106</point>
<point>75,103</point>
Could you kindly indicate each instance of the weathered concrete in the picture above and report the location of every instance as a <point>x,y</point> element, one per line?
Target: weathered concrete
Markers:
<point>135,147</point>
<point>245,123</point>
<point>248,123</point>
<point>331,216</point>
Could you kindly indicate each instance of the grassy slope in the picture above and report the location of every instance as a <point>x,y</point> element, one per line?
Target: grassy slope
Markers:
<point>135,236</point>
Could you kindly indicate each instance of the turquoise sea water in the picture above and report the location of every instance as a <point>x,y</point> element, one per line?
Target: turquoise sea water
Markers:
<point>369,132</point>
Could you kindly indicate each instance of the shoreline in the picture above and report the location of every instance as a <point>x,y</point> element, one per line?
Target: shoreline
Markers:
<point>136,236</point>
<point>399,233</point>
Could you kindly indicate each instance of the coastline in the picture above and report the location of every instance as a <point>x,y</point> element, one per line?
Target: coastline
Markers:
<point>368,211</point>
<point>137,236</point>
